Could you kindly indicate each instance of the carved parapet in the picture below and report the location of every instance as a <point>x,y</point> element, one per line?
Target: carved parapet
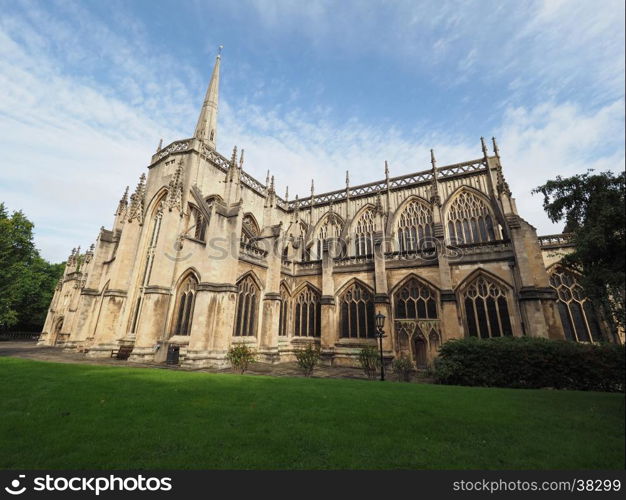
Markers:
<point>514,221</point>
<point>537,293</point>
<point>447,296</point>
<point>556,240</point>
<point>216,287</point>
<point>381,298</point>
<point>174,147</point>
<point>438,230</point>
<point>155,289</point>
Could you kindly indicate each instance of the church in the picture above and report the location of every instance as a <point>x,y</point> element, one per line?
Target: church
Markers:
<point>202,256</point>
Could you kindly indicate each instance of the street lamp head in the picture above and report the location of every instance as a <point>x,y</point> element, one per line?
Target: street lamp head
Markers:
<point>380,321</point>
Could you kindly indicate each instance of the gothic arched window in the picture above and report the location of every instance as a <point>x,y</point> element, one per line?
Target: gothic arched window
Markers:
<point>300,234</point>
<point>364,233</point>
<point>197,223</point>
<point>184,307</point>
<point>148,262</point>
<point>415,301</point>
<point>415,227</point>
<point>247,306</point>
<point>580,322</point>
<point>330,231</point>
<point>307,313</point>
<point>486,309</point>
<point>249,230</point>
<point>470,220</point>
<point>357,312</point>
<point>284,311</point>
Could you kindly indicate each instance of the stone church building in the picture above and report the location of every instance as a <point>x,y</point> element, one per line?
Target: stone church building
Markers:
<point>203,256</point>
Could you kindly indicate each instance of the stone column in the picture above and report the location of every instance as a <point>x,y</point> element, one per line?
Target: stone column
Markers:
<point>86,308</point>
<point>450,321</point>
<point>538,301</point>
<point>108,329</point>
<point>329,329</point>
<point>157,292</point>
<point>216,296</point>
<point>212,325</point>
<point>381,297</point>
<point>270,308</point>
<point>268,350</point>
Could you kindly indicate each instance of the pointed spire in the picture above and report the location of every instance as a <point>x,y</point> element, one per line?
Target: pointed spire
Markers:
<point>347,178</point>
<point>379,203</point>
<point>435,199</point>
<point>287,193</point>
<point>160,146</point>
<point>137,201</point>
<point>123,204</point>
<point>241,159</point>
<point>484,147</point>
<point>206,127</point>
<point>386,170</point>
<point>70,259</point>
<point>76,260</point>
<point>272,184</point>
<point>89,253</point>
<point>175,189</point>
<point>267,179</point>
<point>496,151</point>
<point>312,190</point>
<point>233,157</point>
<point>296,211</point>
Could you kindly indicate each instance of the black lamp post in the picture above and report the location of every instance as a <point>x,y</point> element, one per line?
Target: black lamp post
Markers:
<point>380,323</point>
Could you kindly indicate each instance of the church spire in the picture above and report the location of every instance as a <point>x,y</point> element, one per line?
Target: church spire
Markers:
<point>206,129</point>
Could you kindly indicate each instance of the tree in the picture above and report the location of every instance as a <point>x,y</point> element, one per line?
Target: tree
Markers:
<point>593,208</point>
<point>27,281</point>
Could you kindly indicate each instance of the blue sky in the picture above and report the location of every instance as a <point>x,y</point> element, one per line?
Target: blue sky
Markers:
<point>309,89</point>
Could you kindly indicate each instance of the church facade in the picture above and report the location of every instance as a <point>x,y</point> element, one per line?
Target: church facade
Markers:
<point>203,256</point>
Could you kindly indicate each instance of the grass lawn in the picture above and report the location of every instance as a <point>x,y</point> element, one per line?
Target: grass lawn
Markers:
<point>60,416</point>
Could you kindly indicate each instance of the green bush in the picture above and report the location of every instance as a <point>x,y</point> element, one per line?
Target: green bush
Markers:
<point>308,358</point>
<point>369,360</point>
<point>403,368</point>
<point>240,356</point>
<point>529,362</point>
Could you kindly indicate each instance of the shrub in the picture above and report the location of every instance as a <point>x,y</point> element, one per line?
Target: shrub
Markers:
<point>530,362</point>
<point>308,358</point>
<point>403,368</point>
<point>240,356</point>
<point>370,361</point>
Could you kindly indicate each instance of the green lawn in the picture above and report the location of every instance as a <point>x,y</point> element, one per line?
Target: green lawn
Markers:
<point>85,416</point>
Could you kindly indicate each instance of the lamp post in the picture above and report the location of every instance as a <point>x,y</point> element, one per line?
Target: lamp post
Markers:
<point>380,323</point>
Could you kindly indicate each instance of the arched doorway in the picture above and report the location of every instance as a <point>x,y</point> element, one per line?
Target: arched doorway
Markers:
<point>57,331</point>
<point>420,351</point>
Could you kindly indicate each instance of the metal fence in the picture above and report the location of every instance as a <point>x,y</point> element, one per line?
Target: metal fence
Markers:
<point>26,336</point>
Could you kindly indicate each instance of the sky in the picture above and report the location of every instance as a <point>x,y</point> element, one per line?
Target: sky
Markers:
<point>309,89</point>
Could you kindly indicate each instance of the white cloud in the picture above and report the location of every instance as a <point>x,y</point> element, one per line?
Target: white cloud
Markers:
<point>73,140</point>
<point>536,144</point>
<point>550,140</point>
